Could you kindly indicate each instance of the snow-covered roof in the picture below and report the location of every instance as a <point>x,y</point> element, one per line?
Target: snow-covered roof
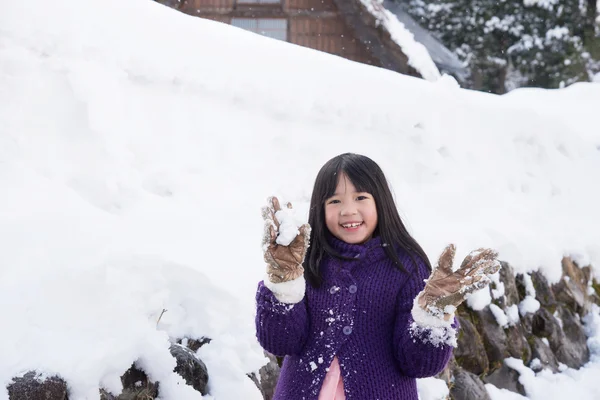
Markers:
<point>415,45</point>
<point>443,58</point>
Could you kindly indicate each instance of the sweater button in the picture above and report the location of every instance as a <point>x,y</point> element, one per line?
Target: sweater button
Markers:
<point>334,289</point>
<point>347,330</point>
<point>352,289</point>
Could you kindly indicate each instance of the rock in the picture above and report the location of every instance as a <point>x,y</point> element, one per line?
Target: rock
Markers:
<point>572,288</point>
<point>505,378</point>
<point>568,342</point>
<point>543,291</point>
<point>545,325</point>
<point>587,273</point>
<point>517,345</point>
<point>493,336</point>
<point>507,276</point>
<point>571,348</point>
<point>269,374</point>
<point>267,377</point>
<point>520,284</point>
<point>467,386</point>
<point>542,351</point>
<point>31,387</point>
<point>527,323</point>
<point>104,395</point>
<point>470,353</point>
<point>194,344</point>
<point>595,296</point>
<point>190,368</point>
<point>570,294</point>
<point>136,385</point>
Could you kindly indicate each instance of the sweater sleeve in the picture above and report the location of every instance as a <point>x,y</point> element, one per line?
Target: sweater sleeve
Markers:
<point>281,328</point>
<point>421,351</point>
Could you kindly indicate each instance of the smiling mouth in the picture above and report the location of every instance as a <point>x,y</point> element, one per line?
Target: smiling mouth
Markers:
<point>352,225</point>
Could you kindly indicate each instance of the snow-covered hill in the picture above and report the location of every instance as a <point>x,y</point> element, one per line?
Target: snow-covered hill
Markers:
<point>137,145</point>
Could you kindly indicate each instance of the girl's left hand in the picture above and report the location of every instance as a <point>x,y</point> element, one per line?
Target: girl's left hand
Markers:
<point>446,289</point>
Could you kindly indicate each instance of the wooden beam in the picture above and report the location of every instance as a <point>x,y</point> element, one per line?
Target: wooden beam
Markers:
<point>262,13</point>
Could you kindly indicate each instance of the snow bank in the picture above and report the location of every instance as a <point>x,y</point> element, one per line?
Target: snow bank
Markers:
<point>135,158</point>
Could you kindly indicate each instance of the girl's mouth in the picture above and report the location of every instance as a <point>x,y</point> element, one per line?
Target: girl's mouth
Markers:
<point>352,226</point>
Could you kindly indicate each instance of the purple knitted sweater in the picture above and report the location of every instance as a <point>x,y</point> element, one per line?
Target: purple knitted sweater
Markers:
<point>362,314</point>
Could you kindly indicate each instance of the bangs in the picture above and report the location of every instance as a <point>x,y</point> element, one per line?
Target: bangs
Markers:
<point>355,172</point>
<point>361,181</point>
<point>330,184</point>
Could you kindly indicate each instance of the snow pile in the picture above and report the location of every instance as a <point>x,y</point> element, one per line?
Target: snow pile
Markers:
<point>479,300</point>
<point>134,164</point>
<point>497,288</point>
<point>591,323</point>
<point>529,304</point>
<point>432,389</point>
<point>90,322</point>
<point>502,394</point>
<point>512,313</point>
<point>500,315</point>
<point>580,383</point>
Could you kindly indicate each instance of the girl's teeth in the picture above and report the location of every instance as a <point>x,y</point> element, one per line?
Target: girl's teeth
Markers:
<point>352,225</point>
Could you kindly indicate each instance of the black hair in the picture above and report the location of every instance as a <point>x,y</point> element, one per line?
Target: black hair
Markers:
<point>366,176</point>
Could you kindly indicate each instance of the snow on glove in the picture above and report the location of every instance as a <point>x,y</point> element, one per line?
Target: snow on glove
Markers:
<point>446,289</point>
<point>284,245</point>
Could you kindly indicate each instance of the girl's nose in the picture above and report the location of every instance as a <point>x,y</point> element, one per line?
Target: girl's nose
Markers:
<point>348,211</point>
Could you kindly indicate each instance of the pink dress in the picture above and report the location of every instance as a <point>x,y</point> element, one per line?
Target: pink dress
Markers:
<point>333,386</point>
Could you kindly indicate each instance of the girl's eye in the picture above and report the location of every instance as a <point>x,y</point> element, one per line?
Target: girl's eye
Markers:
<point>333,201</point>
<point>361,198</point>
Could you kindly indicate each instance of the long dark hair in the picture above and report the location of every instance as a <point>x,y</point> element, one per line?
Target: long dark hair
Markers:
<point>366,176</point>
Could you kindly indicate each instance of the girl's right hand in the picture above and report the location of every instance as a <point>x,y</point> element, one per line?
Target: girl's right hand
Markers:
<point>284,263</point>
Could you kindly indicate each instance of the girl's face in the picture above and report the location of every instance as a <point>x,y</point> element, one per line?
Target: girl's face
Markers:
<point>350,216</point>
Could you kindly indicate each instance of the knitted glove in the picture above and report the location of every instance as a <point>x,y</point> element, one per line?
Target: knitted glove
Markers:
<point>446,289</point>
<point>284,259</point>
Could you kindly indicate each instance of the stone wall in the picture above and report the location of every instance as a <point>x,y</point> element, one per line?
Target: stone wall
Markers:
<point>550,338</point>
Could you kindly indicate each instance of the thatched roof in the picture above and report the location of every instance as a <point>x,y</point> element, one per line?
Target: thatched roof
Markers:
<point>397,40</point>
<point>441,55</point>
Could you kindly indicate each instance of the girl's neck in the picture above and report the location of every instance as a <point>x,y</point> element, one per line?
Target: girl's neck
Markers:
<point>351,250</point>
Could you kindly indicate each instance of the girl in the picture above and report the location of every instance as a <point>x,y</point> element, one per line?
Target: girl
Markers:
<point>353,306</point>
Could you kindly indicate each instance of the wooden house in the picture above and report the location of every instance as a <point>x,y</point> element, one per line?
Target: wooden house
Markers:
<point>348,28</point>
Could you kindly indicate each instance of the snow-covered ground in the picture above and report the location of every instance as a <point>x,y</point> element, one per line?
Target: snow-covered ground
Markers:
<point>137,145</point>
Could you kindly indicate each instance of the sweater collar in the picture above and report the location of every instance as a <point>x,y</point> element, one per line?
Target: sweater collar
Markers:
<point>373,249</point>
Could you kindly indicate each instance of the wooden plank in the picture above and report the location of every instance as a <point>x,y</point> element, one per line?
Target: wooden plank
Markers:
<point>311,5</point>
